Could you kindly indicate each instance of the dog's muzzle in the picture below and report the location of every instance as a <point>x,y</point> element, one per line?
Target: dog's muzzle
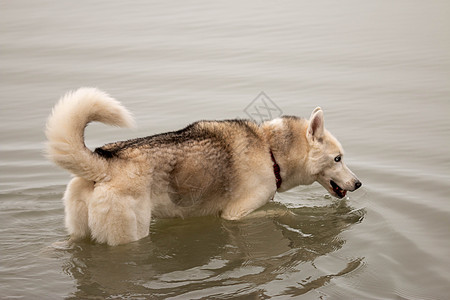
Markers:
<point>340,192</point>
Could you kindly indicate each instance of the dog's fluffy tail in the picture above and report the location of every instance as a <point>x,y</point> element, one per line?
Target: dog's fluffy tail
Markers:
<point>65,130</point>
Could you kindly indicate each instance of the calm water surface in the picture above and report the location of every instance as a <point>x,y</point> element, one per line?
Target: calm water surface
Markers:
<point>381,72</point>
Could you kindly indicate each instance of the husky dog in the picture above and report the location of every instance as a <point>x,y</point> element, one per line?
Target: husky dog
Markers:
<point>227,168</point>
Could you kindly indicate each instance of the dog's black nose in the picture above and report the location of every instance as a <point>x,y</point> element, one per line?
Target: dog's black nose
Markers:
<point>358,184</point>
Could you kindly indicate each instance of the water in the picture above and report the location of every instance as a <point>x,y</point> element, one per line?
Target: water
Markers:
<point>381,72</point>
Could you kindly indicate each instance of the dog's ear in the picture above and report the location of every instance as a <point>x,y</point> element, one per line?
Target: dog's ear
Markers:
<point>315,127</point>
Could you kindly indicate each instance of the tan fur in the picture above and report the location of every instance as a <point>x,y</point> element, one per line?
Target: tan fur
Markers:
<point>210,167</point>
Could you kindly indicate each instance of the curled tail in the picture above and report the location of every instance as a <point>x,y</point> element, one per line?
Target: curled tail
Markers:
<point>65,130</point>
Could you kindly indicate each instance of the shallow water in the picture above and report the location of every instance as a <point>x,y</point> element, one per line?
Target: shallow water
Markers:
<point>380,71</point>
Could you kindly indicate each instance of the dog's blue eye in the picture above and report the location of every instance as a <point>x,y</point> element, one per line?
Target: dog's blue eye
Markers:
<point>337,158</point>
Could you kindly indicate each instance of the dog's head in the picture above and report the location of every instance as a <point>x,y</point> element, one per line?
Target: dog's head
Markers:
<point>326,158</point>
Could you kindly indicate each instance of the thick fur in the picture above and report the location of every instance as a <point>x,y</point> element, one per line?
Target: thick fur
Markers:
<point>210,167</point>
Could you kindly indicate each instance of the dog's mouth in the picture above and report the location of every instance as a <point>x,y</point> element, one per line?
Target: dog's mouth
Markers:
<point>338,190</point>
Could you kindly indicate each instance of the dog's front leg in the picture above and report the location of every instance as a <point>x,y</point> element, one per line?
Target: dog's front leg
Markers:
<point>243,206</point>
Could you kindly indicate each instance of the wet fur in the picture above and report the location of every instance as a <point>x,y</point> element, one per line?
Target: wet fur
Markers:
<point>222,168</point>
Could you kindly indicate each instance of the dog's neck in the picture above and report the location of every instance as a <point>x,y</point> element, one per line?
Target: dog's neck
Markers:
<point>283,145</point>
